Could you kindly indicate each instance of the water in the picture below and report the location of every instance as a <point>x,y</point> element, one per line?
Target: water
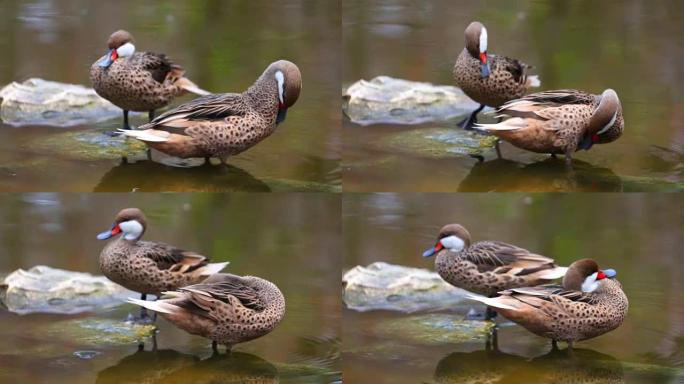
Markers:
<point>224,47</point>
<point>632,46</point>
<point>289,239</point>
<point>638,235</point>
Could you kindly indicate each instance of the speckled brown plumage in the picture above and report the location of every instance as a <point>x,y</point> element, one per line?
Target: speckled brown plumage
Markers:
<point>225,124</point>
<point>508,78</point>
<point>560,121</point>
<point>149,267</point>
<point>488,267</point>
<point>565,312</point>
<point>144,81</point>
<point>225,308</point>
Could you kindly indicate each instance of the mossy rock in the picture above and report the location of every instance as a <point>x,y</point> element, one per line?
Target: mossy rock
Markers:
<point>435,329</point>
<point>88,145</point>
<point>96,332</point>
<point>438,142</point>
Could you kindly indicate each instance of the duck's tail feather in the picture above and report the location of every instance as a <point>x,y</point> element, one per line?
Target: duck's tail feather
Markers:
<point>213,268</point>
<point>157,306</point>
<point>189,86</point>
<point>533,81</point>
<point>506,125</point>
<point>150,135</point>
<point>490,301</point>
<point>553,274</point>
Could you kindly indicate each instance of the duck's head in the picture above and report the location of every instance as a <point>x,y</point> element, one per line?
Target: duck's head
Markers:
<point>130,222</point>
<point>606,124</point>
<point>453,237</point>
<point>120,44</point>
<point>586,276</point>
<point>476,44</point>
<point>288,81</point>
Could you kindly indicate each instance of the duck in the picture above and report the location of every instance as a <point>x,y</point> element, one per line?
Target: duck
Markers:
<point>588,303</point>
<point>487,267</point>
<point>138,81</point>
<point>149,267</point>
<point>559,121</point>
<point>489,79</point>
<point>222,125</point>
<point>225,308</point>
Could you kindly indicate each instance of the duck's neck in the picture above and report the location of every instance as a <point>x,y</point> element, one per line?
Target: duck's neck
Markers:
<point>263,95</point>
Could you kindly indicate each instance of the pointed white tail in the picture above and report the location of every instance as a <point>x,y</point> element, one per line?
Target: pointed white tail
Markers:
<point>213,268</point>
<point>490,301</point>
<point>553,274</point>
<point>147,135</point>
<point>533,81</point>
<point>157,306</point>
<point>191,87</point>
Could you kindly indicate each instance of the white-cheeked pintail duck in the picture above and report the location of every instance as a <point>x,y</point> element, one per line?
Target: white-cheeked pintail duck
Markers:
<point>560,122</point>
<point>487,78</point>
<point>589,303</point>
<point>149,267</point>
<point>487,267</point>
<point>138,81</point>
<point>226,124</point>
<point>225,308</point>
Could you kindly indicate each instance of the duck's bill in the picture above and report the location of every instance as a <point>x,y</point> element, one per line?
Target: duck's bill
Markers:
<point>107,60</point>
<point>109,233</point>
<point>610,273</point>
<point>429,252</point>
<point>484,67</point>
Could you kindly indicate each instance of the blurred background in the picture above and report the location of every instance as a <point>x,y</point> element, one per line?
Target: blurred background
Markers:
<point>291,240</point>
<point>635,47</point>
<point>639,235</point>
<point>223,46</point>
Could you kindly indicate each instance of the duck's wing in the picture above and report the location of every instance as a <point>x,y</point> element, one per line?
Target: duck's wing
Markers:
<point>500,257</point>
<point>548,292</point>
<point>544,105</point>
<point>159,66</point>
<point>225,288</point>
<point>168,257</point>
<point>211,107</point>
<point>515,67</point>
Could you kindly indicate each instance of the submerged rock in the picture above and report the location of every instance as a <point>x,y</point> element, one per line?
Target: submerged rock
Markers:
<point>438,142</point>
<point>434,329</point>
<point>42,102</point>
<point>89,145</point>
<point>396,101</point>
<point>49,290</point>
<point>397,288</point>
<point>95,332</point>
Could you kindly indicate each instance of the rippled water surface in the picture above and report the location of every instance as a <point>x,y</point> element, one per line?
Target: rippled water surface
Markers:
<point>637,235</point>
<point>223,46</point>
<point>291,240</point>
<point>635,47</point>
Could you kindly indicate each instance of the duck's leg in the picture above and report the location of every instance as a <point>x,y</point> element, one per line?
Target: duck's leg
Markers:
<point>554,345</point>
<point>471,120</point>
<point>143,310</point>
<point>497,148</point>
<point>150,115</point>
<point>490,314</point>
<point>214,346</point>
<point>570,347</point>
<point>207,160</point>
<point>224,160</point>
<point>125,122</point>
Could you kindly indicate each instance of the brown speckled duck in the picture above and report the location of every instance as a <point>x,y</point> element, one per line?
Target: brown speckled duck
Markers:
<point>487,267</point>
<point>588,304</point>
<point>225,308</point>
<point>225,124</point>
<point>560,122</point>
<point>145,266</point>
<point>487,78</point>
<point>138,81</point>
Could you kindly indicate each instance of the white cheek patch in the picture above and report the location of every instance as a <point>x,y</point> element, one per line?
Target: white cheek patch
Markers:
<point>483,40</point>
<point>126,50</point>
<point>610,124</point>
<point>131,229</point>
<point>590,284</point>
<point>280,79</point>
<point>453,243</point>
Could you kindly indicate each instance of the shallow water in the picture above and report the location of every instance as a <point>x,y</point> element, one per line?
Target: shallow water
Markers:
<point>289,239</point>
<point>223,46</point>
<point>638,235</point>
<point>632,46</point>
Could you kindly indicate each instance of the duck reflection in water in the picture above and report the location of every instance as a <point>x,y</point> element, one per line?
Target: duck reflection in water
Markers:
<point>150,176</point>
<point>493,366</point>
<point>548,175</point>
<point>169,367</point>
